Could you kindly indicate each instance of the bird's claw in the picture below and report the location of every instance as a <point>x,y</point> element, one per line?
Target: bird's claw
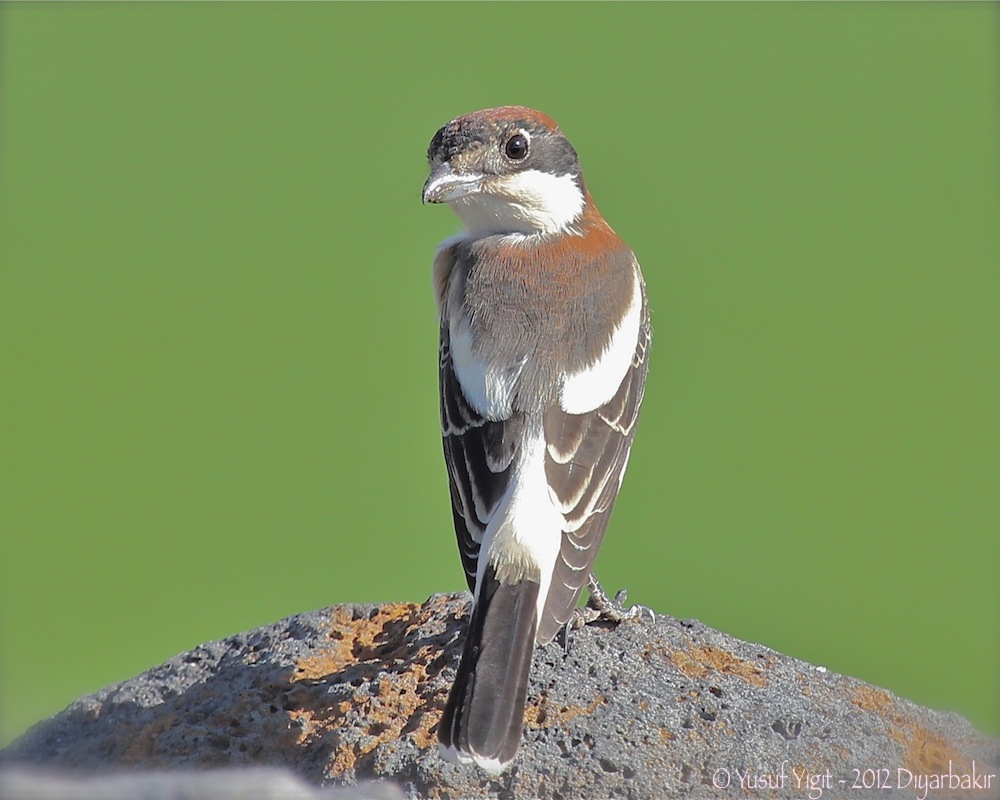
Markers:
<point>600,606</point>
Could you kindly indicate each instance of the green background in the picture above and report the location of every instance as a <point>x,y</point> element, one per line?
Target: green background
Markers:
<point>219,339</point>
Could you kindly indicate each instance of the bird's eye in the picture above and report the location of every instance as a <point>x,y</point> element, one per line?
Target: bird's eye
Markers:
<point>517,147</point>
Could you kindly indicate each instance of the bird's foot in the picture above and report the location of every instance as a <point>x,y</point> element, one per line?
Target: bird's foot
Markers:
<point>610,609</point>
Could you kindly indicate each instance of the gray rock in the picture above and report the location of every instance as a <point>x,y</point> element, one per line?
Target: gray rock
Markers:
<point>664,709</point>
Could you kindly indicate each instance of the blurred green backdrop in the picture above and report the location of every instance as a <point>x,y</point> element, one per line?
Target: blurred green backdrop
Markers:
<point>219,340</point>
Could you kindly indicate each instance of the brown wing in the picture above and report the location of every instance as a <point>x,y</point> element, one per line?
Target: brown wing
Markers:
<point>585,462</point>
<point>479,454</point>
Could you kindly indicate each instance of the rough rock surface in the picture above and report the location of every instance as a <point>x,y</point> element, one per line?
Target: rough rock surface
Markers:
<point>641,710</point>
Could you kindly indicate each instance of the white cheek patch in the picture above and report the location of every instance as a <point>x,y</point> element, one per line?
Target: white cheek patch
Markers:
<point>525,202</point>
<point>595,385</point>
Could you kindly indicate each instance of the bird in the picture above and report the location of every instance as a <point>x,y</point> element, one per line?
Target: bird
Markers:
<point>544,336</point>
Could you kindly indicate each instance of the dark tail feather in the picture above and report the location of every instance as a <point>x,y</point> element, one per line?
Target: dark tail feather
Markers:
<point>484,716</point>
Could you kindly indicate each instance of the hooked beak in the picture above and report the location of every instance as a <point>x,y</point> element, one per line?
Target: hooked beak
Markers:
<point>444,184</point>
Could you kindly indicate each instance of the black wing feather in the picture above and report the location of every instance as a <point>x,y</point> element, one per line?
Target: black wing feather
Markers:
<point>585,460</point>
<point>479,454</point>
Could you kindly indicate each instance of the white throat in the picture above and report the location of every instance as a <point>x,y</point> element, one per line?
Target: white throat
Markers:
<point>526,202</point>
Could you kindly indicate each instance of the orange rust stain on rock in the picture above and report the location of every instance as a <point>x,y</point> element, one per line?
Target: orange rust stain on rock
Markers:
<point>344,759</point>
<point>688,664</point>
<point>352,640</point>
<point>306,722</point>
<point>539,713</point>
<point>398,702</point>
<point>396,709</point>
<point>698,662</point>
<point>924,751</point>
<point>871,698</point>
<point>425,732</point>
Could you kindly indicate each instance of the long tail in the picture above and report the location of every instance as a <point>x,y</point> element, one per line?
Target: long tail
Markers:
<point>484,716</point>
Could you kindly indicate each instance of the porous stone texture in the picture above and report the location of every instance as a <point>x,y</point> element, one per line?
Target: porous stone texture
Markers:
<point>643,709</point>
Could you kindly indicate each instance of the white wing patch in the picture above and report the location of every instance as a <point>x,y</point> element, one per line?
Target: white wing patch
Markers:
<point>488,389</point>
<point>595,385</point>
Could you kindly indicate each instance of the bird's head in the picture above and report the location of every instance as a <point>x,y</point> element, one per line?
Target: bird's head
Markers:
<point>507,170</point>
